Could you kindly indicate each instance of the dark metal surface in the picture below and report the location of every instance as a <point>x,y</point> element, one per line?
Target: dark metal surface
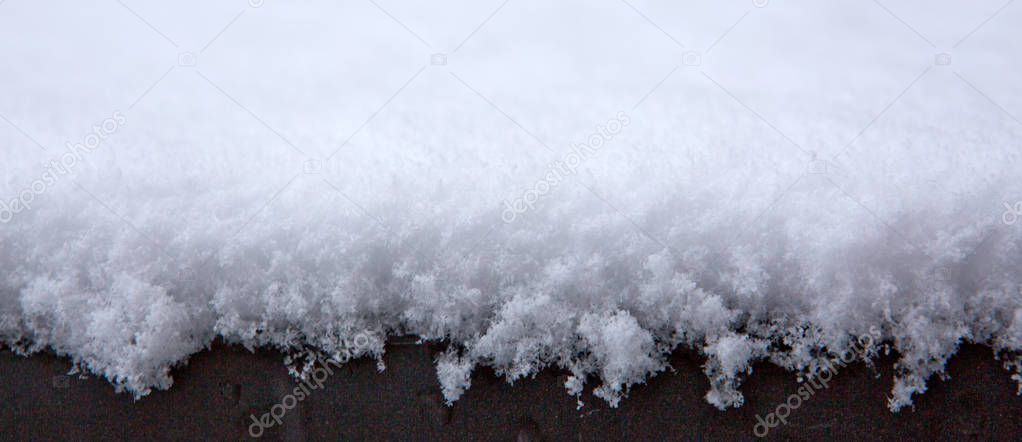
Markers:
<point>215,394</point>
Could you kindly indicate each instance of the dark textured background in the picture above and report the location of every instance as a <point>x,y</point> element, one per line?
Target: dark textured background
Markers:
<point>214,394</point>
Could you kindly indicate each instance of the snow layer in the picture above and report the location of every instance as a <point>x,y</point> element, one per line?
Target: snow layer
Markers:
<point>586,185</point>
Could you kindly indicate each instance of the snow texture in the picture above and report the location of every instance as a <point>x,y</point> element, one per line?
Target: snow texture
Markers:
<point>580,185</point>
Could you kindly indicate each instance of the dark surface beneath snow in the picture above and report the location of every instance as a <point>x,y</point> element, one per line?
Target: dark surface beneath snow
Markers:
<point>215,393</point>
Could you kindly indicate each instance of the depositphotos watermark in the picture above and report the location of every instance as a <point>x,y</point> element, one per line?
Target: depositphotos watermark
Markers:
<point>559,170</point>
<point>64,165</point>
<point>820,381</point>
<point>1011,213</point>
<point>312,380</point>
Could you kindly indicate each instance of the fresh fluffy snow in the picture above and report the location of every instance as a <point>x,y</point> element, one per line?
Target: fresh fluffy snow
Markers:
<point>585,185</point>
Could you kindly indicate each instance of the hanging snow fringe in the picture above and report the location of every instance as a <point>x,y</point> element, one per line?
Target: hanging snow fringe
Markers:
<point>565,216</point>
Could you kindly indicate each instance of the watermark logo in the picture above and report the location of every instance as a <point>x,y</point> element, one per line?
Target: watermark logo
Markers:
<point>73,154</point>
<point>565,167</point>
<point>187,60</point>
<point>692,58</point>
<point>818,166</point>
<point>820,381</point>
<point>1012,213</point>
<point>312,380</point>
<point>312,167</point>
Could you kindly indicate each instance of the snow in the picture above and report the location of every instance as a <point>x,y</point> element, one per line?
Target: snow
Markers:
<point>792,178</point>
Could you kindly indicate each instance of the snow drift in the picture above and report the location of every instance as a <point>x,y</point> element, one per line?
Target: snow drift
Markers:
<point>579,186</point>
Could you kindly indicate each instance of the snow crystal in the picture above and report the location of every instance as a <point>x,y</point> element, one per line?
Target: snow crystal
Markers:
<point>454,373</point>
<point>315,178</point>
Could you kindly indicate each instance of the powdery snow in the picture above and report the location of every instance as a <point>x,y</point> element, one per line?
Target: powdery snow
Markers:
<point>572,189</point>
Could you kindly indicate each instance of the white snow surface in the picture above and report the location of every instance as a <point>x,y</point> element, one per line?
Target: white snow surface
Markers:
<point>787,178</point>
